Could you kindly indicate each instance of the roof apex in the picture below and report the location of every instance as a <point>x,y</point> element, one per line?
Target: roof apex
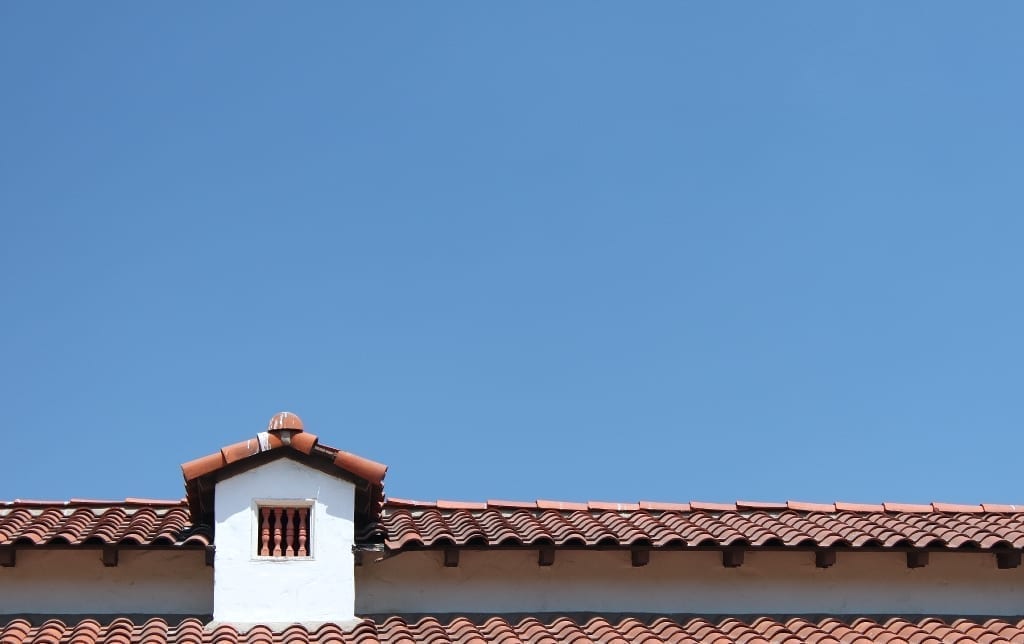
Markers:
<point>285,436</point>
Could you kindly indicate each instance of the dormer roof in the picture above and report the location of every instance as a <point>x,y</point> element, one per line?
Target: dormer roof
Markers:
<point>285,437</point>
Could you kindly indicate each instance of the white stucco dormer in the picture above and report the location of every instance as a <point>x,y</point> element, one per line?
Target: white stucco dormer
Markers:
<point>285,511</point>
<point>250,587</point>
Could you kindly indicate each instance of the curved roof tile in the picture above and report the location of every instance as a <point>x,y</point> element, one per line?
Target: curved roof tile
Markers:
<point>407,525</point>
<point>127,523</point>
<point>410,524</point>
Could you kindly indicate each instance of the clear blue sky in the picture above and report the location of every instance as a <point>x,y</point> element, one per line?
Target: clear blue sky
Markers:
<point>577,250</point>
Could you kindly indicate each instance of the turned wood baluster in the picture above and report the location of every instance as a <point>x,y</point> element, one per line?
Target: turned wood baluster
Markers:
<point>289,533</point>
<point>265,533</point>
<point>277,531</point>
<point>303,513</point>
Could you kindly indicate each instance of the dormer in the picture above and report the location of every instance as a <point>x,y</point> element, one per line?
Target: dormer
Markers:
<point>285,510</point>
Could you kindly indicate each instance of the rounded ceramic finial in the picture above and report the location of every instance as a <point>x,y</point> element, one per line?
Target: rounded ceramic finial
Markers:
<point>285,420</point>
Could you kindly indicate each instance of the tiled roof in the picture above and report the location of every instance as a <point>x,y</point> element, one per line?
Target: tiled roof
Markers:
<point>411,524</point>
<point>81,521</point>
<point>285,436</point>
<point>530,630</point>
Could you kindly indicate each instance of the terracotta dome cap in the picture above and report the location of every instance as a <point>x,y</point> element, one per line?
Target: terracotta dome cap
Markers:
<point>285,420</point>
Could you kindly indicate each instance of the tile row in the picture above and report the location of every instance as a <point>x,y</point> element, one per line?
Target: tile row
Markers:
<point>709,506</point>
<point>155,524</point>
<point>530,630</point>
<point>405,526</point>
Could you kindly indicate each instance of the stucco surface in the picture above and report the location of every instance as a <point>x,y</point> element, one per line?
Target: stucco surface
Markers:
<point>71,582</point>
<point>252,589</point>
<point>688,583</point>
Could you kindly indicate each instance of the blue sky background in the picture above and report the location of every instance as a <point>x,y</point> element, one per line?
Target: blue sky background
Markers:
<point>576,250</point>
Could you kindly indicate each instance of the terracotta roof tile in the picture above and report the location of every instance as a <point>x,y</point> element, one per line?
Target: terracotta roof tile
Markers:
<point>859,507</point>
<point>956,507</point>
<point>996,507</point>
<point>461,505</point>
<point>405,524</point>
<point>532,630</point>
<point>661,506</point>
<point>498,503</point>
<point>802,506</point>
<point>399,503</point>
<point>613,507</point>
<point>78,522</point>
<point>544,504</point>
<point>414,524</point>
<point>907,507</point>
<point>760,505</point>
<point>703,505</point>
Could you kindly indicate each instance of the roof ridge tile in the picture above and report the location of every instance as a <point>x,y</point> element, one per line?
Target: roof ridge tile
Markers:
<point>545,504</point>
<point>460,505</point>
<point>713,507</point>
<point>613,507</point>
<point>500,504</point>
<point>662,506</point>
<point>804,506</point>
<point>843,506</point>
<point>997,507</point>
<point>761,505</point>
<point>408,503</point>
<point>956,507</point>
<point>908,507</point>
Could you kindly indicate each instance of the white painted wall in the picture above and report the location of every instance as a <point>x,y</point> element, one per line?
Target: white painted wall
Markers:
<point>249,589</point>
<point>688,582</point>
<point>71,582</point>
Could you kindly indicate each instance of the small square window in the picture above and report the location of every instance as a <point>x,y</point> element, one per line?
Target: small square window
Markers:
<point>283,531</point>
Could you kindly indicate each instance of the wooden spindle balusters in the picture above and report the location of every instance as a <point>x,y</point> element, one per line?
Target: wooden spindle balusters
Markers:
<point>303,517</point>
<point>277,531</point>
<point>283,531</point>
<point>265,533</point>
<point>289,532</point>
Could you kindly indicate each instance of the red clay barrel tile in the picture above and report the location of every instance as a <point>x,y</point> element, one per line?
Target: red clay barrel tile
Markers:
<point>364,468</point>
<point>304,442</point>
<point>202,466</point>
<point>503,504</point>
<point>240,450</point>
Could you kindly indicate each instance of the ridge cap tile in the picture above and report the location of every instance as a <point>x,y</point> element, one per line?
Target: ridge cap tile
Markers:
<point>806,506</point>
<point>241,450</point>
<point>409,503</point>
<point>460,505</point>
<point>915,508</point>
<point>97,503</point>
<point>1002,507</point>
<point>611,506</point>
<point>843,506</point>
<point>957,507</point>
<point>37,503</point>
<point>106,502</point>
<point>132,500</point>
<point>664,506</point>
<point>545,504</point>
<point>503,504</point>
<point>760,505</point>
<point>713,507</point>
